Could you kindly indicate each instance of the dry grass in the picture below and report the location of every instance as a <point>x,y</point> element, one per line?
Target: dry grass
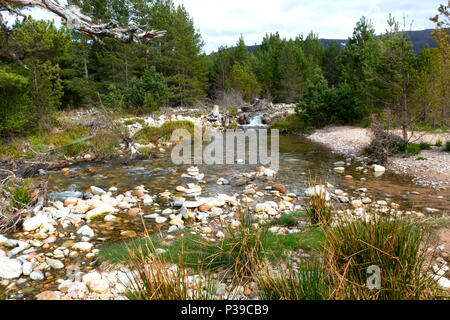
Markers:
<point>240,255</point>
<point>395,246</point>
<point>317,208</point>
<point>157,279</point>
<point>308,282</point>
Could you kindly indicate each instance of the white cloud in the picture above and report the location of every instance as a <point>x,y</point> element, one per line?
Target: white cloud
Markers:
<point>222,22</point>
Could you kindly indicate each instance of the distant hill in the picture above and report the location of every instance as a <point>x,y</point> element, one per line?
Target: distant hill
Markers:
<point>418,38</point>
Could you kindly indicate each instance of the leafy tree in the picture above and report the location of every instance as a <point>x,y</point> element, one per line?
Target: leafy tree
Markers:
<point>14,103</point>
<point>149,92</point>
<point>243,80</point>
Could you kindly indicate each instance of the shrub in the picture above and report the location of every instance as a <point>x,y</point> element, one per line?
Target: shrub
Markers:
<point>21,196</point>
<point>439,143</point>
<point>414,148</point>
<point>322,105</point>
<point>425,146</point>
<point>395,246</point>
<point>149,92</point>
<point>154,134</point>
<point>308,282</point>
<point>105,145</point>
<point>292,124</point>
<point>447,146</point>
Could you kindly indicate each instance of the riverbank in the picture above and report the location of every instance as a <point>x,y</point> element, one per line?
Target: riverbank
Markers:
<point>432,170</point>
<point>58,250</point>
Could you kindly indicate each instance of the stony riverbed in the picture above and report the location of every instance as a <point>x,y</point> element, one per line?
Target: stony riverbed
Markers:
<point>55,254</point>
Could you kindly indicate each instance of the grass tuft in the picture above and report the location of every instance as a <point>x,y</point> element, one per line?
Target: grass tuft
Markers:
<point>394,246</point>
<point>308,282</point>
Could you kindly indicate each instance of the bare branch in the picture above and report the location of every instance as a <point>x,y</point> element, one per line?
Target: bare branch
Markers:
<point>78,21</point>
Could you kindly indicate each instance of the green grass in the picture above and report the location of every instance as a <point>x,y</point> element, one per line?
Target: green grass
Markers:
<point>292,124</point>
<point>197,253</point>
<point>308,282</point>
<point>290,219</point>
<point>413,148</point>
<point>21,194</point>
<point>430,128</point>
<point>158,280</point>
<point>164,133</point>
<point>421,159</point>
<point>134,121</point>
<point>439,143</point>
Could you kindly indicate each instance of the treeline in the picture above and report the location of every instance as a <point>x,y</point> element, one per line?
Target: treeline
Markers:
<point>62,69</point>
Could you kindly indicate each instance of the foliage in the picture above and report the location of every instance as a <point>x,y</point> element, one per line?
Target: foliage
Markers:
<point>155,134</point>
<point>149,92</point>
<point>395,246</point>
<point>308,282</point>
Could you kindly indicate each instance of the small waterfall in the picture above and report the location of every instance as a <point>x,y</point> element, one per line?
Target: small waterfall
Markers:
<point>256,121</point>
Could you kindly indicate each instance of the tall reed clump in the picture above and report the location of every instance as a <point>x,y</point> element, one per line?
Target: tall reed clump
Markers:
<point>308,282</point>
<point>156,279</point>
<point>240,255</point>
<point>318,209</point>
<point>393,246</point>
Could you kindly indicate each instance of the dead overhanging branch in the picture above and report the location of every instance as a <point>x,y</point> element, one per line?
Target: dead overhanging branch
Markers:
<point>78,21</point>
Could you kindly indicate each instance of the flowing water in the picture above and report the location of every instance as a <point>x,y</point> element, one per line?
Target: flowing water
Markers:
<point>300,159</point>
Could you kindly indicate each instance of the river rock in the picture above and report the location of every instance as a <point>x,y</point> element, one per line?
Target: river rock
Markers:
<point>204,208</point>
<point>378,168</point>
<point>128,234</point>
<point>37,275</point>
<point>54,264</point>
<point>49,295</point>
<point>2,253</point>
<point>83,246</point>
<point>85,231</point>
<point>82,207</point>
<point>160,220</point>
<point>279,187</point>
<point>99,286</point>
<point>147,200</point>
<point>109,200</point>
<point>134,212</point>
<point>27,268</point>
<point>10,268</point>
<point>193,204</point>
<point>98,212</point>
<point>339,169</point>
<point>97,191</point>
<point>71,201</point>
<point>110,218</point>
<point>34,223</point>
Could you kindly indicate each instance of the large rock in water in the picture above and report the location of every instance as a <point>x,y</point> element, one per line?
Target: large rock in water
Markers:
<point>99,212</point>
<point>10,268</point>
<point>34,223</point>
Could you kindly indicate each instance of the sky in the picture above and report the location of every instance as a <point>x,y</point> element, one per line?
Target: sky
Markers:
<point>221,22</point>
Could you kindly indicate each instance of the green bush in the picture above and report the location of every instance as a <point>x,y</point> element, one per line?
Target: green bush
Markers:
<point>322,105</point>
<point>439,143</point>
<point>447,146</point>
<point>414,148</point>
<point>425,146</point>
<point>155,134</point>
<point>149,92</point>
